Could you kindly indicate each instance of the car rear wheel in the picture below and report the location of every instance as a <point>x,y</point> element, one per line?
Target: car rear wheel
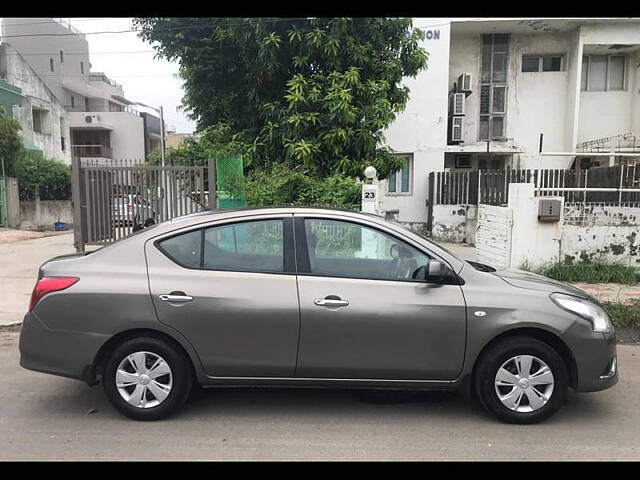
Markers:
<point>146,378</point>
<point>521,380</point>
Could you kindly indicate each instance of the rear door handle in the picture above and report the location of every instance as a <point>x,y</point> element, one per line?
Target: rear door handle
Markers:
<point>331,302</point>
<point>176,297</point>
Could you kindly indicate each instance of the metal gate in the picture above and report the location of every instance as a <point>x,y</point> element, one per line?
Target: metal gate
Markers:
<point>114,198</point>
<point>3,203</point>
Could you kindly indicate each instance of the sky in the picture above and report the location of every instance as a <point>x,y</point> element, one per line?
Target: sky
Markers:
<point>144,79</point>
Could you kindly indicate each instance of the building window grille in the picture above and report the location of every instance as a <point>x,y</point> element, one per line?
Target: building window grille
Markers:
<point>493,86</point>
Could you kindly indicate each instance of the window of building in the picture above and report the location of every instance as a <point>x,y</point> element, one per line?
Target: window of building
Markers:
<point>336,249</point>
<point>542,63</point>
<point>61,56</point>
<point>603,73</point>
<point>86,105</point>
<point>463,160</point>
<point>400,181</point>
<point>493,88</point>
<point>82,68</point>
<point>51,64</point>
<point>39,120</point>
<point>62,139</point>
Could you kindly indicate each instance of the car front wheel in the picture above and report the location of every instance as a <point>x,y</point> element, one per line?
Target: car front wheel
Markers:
<point>521,380</point>
<point>146,378</point>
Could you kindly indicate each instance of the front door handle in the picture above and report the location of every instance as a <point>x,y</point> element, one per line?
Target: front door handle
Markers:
<point>331,301</point>
<point>176,297</point>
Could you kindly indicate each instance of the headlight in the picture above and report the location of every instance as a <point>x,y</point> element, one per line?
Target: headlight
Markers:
<point>585,309</point>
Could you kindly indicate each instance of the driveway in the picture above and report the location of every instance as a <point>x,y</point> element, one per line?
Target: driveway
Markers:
<point>46,417</point>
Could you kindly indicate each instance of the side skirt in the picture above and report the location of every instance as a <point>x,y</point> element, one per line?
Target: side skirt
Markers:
<point>365,383</point>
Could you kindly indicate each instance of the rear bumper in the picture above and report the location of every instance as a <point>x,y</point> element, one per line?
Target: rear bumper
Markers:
<point>595,356</point>
<point>63,353</point>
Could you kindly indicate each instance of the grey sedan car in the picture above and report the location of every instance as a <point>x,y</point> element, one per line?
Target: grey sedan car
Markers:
<point>310,298</point>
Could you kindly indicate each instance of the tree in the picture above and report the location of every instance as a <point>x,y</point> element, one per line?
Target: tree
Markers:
<point>11,149</point>
<point>312,94</point>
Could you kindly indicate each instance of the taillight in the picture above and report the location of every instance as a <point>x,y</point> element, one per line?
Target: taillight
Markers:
<point>47,285</point>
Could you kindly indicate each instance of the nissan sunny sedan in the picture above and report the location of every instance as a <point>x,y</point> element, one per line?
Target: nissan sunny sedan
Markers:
<point>310,298</point>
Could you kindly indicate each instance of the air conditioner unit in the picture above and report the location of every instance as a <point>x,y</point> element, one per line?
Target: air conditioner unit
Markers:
<point>91,119</point>
<point>464,83</point>
<point>456,104</point>
<point>456,129</point>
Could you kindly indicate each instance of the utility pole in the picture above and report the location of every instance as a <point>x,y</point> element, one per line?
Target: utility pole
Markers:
<point>161,136</point>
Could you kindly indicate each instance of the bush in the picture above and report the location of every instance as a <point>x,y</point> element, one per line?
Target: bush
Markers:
<point>590,272</point>
<point>284,186</point>
<point>11,149</point>
<point>49,177</point>
<point>624,316</point>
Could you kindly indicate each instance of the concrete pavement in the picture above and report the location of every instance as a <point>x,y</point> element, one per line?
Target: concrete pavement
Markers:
<point>21,254</point>
<point>43,417</point>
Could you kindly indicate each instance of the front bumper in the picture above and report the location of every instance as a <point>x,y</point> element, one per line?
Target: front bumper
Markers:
<point>58,352</point>
<point>595,357</point>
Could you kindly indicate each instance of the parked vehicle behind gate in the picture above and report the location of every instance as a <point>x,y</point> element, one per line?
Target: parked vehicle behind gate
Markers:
<point>131,209</point>
<point>310,297</point>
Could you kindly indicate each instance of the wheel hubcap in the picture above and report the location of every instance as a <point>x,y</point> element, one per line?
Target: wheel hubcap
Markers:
<point>524,383</point>
<point>144,379</point>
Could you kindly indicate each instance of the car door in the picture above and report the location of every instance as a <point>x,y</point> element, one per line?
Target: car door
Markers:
<point>362,313</point>
<point>230,289</point>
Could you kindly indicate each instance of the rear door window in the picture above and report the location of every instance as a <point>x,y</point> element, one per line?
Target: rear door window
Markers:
<point>184,249</point>
<point>245,247</point>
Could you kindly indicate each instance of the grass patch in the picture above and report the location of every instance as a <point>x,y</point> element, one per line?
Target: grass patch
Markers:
<point>624,316</point>
<point>590,272</point>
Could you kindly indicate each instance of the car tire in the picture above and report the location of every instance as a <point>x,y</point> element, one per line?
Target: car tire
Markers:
<point>526,402</point>
<point>140,354</point>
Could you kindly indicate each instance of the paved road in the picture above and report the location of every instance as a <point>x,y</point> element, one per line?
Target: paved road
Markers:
<point>46,417</point>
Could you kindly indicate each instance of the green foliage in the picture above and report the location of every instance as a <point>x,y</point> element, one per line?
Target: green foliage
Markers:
<point>212,142</point>
<point>590,272</point>
<point>283,186</point>
<point>49,177</point>
<point>11,149</point>
<point>624,316</point>
<point>312,94</point>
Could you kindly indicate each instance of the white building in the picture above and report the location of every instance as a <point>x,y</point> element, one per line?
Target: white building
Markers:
<point>102,122</point>
<point>575,81</point>
<point>27,98</point>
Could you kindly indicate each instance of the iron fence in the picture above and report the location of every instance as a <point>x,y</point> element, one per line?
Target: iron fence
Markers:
<point>620,184</point>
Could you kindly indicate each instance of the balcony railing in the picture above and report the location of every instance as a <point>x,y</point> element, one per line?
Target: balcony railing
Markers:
<point>100,108</point>
<point>101,77</point>
<point>101,151</point>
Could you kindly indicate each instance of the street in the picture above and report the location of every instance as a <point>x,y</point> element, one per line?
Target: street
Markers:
<point>46,417</point>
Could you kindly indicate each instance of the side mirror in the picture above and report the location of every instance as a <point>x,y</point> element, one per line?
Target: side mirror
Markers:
<point>433,271</point>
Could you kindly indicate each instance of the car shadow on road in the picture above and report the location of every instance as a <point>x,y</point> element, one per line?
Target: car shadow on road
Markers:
<point>308,403</point>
